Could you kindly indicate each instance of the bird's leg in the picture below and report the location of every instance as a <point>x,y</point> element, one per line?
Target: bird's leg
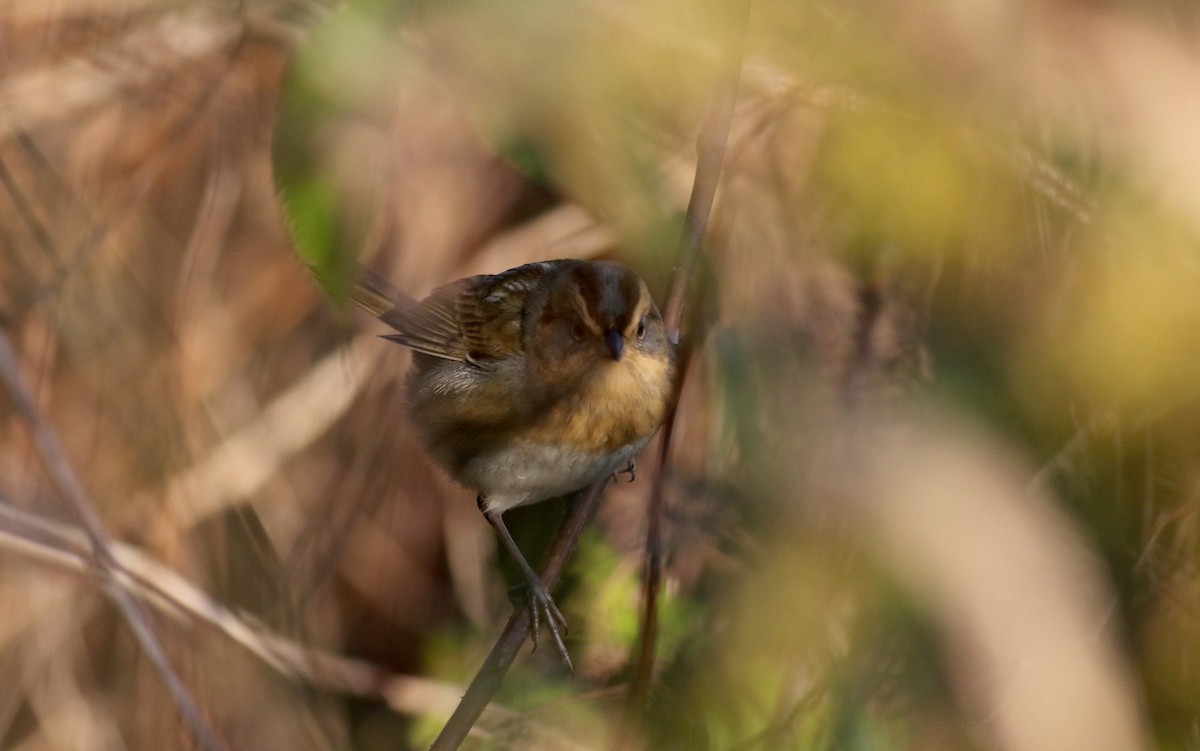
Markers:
<point>539,596</point>
<point>629,469</point>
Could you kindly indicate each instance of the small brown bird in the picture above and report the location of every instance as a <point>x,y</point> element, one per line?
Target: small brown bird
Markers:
<point>532,383</point>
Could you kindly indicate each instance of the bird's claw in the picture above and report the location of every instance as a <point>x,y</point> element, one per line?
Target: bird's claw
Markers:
<point>540,601</point>
<point>629,469</point>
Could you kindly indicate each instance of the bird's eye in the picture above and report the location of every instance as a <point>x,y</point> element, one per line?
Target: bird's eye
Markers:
<point>641,329</point>
<point>578,331</point>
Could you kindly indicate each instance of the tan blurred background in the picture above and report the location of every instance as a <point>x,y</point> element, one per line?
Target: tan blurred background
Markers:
<point>935,476</point>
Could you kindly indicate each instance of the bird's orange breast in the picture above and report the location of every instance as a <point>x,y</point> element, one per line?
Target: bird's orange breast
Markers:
<point>623,402</point>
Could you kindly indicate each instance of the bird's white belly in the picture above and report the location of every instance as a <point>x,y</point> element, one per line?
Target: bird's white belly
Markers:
<point>523,473</point>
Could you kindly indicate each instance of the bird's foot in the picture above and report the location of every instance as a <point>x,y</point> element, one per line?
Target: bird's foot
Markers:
<point>540,605</point>
<point>629,469</point>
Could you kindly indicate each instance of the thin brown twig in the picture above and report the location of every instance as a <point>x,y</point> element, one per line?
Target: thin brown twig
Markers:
<point>711,146</point>
<point>105,563</point>
<point>65,547</point>
<point>487,681</point>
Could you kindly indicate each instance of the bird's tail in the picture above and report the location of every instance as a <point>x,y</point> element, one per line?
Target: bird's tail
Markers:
<point>381,298</point>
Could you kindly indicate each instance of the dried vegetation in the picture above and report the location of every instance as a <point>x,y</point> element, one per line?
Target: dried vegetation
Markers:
<point>935,475</point>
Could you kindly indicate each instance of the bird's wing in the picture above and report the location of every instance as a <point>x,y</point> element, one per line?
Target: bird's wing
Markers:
<point>432,326</point>
<point>492,311</point>
<point>475,319</point>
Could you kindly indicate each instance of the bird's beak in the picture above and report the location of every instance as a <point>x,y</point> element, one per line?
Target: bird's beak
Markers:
<point>615,342</point>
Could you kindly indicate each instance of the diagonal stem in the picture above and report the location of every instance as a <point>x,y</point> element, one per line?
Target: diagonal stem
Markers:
<point>711,146</point>
<point>68,483</point>
<point>516,631</point>
<point>539,595</point>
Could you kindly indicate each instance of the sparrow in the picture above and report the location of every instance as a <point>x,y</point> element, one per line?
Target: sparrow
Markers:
<point>532,383</point>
